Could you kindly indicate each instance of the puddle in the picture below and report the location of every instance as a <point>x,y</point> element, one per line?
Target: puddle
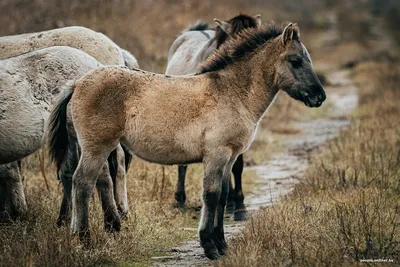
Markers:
<point>283,170</point>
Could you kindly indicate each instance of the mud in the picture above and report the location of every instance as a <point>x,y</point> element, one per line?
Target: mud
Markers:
<point>282,171</point>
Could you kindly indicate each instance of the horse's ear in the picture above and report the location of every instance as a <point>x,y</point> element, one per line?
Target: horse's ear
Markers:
<point>225,26</point>
<point>258,19</point>
<point>291,32</point>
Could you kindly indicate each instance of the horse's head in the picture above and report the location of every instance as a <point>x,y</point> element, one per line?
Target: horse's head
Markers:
<point>295,72</point>
<point>230,28</point>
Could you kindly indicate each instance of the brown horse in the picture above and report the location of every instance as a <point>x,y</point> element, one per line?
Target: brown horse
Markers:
<point>145,112</point>
<point>185,56</point>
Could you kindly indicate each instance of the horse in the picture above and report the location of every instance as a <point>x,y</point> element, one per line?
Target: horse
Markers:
<point>104,51</point>
<point>185,56</point>
<point>93,43</point>
<point>28,83</point>
<point>217,122</point>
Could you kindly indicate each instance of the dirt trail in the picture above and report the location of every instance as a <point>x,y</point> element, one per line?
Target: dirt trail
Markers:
<point>282,171</point>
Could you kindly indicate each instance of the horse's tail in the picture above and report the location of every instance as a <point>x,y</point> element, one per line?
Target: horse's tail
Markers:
<point>113,165</point>
<point>57,131</point>
<point>128,157</point>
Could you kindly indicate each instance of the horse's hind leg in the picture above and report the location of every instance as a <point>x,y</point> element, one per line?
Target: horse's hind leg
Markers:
<point>10,175</point>
<point>120,191</point>
<point>214,166</point>
<point>4,203</point>
<point>66,173</point>
<point>240,209</point>
<point>105,188</point>
<point>230,205</point>
<point>84,179</point>
<point>180,195</point>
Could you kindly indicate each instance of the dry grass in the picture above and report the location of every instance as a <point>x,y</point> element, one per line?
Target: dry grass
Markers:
<point>147,28</point>
<point>346,208</point>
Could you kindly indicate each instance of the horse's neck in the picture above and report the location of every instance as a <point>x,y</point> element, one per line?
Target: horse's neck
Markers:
<point>251,86</point>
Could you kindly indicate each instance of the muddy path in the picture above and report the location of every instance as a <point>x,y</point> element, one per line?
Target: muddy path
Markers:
<point>282,171</point>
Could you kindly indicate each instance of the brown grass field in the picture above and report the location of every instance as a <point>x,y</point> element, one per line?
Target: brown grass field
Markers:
<point>345,209</point>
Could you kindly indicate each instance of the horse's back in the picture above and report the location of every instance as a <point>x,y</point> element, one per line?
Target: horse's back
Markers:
<point>93,43</point>
<point>188,51</point>
<point>28,84</point>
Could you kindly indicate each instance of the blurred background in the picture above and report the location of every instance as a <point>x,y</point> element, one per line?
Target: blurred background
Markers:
<point>147,28</point>
<point>338,34</point>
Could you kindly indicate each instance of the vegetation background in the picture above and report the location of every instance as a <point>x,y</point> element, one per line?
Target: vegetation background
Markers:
<point>359,220</point>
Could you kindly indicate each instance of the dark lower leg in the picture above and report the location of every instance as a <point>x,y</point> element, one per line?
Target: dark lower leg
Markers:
<point>65,211</point>
<point>111,216</point>
<point>4,205</point>
<point>66,173</point>
<point>206,232</point>
<point>240,208</point>
<point>218,236</point>
<point>180,195</point>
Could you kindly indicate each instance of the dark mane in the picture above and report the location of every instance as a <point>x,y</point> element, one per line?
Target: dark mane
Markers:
<point>199,26</point>
<point>239,23</point>
<point>241,46</point>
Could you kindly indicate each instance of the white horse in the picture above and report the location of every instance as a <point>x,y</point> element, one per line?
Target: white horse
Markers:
<point>96,44</point>
<point>28,83</point>
<point>185,56</point>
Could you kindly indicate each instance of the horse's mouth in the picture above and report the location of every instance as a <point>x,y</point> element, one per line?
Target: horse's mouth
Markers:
<point>312,103</point>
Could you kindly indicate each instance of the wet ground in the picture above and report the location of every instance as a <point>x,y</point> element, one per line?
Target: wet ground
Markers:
<point>283,170</point>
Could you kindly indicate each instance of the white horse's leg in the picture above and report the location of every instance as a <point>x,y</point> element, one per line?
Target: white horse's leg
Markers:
<point>83,182</point>
<point>105,188</point>
<point>214,167</point>
<point>10,175</point>
<point>120,191</point>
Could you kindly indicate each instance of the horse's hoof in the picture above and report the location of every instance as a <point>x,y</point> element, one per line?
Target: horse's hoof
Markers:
<point>63,221</point>
<point>221,249</point>
<point>5,218</point>
<point>213,255</point>
<point>112,226</point>
<point>179,205</point>
<point>85,239</point>
<point>123,214</point>
<point>240,215</point>
<point>230,208</point>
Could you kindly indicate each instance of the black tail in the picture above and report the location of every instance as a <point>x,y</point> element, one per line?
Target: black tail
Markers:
<point>113,165</point>
<point>128,157</point>
<point>57,131</point>
<point>113,162</point>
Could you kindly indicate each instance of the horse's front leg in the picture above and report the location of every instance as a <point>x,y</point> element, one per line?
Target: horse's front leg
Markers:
<point>240,209</point>
<point>219,236</point>
<point>214,166</point>
<point>10,175</point>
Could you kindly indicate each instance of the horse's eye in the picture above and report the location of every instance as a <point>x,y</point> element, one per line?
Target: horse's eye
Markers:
<point>296,63</point>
